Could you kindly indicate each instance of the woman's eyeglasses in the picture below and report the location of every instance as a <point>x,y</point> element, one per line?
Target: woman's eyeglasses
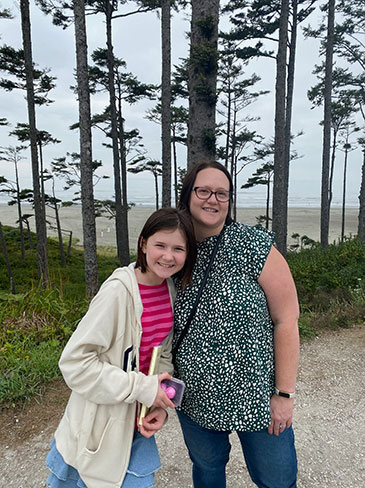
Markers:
<point>204,194</point>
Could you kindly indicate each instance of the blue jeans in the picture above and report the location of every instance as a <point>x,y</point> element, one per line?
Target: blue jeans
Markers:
<point>271,460</point>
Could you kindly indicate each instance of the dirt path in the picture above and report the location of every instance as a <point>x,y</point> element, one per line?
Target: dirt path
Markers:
<point>329,425</point>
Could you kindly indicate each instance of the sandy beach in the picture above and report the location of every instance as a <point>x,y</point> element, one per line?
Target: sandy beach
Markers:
<point>303,221</point>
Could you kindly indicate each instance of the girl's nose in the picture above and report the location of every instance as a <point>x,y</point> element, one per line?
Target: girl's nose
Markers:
<point>168,255</point>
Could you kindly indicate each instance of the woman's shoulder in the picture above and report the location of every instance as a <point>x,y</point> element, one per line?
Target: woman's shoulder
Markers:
<point>249,235</point>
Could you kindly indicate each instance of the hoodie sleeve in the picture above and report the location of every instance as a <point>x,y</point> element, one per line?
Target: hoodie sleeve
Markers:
<point>91,360</point>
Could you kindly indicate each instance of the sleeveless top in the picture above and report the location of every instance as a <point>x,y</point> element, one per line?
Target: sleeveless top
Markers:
<point>226,359</point>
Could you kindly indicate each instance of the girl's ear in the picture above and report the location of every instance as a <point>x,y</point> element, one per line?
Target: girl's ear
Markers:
<point>142,245</point>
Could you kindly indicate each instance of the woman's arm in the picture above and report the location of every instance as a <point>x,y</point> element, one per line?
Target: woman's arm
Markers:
<point>278,285</point>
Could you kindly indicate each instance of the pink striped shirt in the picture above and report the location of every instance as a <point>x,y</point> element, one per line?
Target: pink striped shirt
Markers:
<point>156,320</point>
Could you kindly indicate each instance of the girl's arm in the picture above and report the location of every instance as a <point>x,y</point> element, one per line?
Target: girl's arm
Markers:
<point>92,361</point>
<point>278,285</point>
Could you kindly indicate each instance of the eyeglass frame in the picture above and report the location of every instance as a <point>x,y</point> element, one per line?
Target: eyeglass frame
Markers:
<point>195,188</point>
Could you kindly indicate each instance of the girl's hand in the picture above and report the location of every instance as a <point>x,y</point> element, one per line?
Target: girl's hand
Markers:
<point>162,400</point>
<point>153,422</point>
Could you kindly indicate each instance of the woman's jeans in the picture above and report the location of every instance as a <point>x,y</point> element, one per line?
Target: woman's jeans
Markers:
<point>271,460</point>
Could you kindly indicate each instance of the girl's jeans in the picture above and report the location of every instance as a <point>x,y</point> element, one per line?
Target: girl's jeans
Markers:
<point>271,460</point>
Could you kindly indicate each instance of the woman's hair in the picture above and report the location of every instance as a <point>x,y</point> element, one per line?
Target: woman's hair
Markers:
<point>169,219</point>
<point>189,180</point>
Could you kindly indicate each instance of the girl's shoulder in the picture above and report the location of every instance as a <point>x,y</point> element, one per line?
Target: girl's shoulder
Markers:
<point>122,279</point>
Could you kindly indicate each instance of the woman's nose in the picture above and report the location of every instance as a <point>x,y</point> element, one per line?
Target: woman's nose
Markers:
<point>212,198</point>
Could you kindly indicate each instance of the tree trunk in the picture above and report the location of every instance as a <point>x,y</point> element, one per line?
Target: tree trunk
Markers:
<point>267,218</point>
<point>174,152</point>
<point>119,227</point>
<point>202,80</point>
<point>30,239</point>
<point>6,257</point>
<point>235,189</point>
<point>156,189</point>
<point>166,102</point>
<point>123,168</point>
<point>288,115</point>
<point>69,244</point>
<point>290,85</point>
<point>233,161</point>
<point>228,126</point>
<point>332,171</point>
<point>344,195</point>
<point>39,210</point>
<point>361,226</point>
<point>59,230</point>
<point>87,189</point>
<point>280,190</point>
<point>325,209</point>
<point>20,217</point>
<point>41,172</point>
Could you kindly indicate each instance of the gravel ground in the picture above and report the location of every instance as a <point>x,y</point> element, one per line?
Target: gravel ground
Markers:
<point>329,425</point>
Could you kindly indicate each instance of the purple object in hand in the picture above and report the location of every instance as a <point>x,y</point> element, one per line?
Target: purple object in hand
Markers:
<point>169,390</point>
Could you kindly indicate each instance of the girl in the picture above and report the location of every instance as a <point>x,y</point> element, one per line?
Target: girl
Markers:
<point>105,363</point>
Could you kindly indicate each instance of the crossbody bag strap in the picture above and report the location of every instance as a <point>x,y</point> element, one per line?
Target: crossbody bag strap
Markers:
<point>196,303</point>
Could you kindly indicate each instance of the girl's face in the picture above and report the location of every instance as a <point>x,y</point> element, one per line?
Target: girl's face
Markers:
<point>165,254</point>
<point>209,215</point>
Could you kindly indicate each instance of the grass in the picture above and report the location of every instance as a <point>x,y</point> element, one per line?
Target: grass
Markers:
<point>35,324</point>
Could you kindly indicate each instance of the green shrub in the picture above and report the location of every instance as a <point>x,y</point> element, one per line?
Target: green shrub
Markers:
<point>324,275</point>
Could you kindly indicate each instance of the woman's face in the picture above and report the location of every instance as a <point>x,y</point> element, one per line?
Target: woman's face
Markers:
<point>209,215</point>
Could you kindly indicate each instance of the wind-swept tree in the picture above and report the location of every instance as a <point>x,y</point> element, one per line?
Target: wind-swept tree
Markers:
<point>260,20</point>
<point>347,37</point>
<point>262,176</point>
<point>87,189</point>
<point>12,64</point>
<point>43,139</point>
<point>203,63</point>
<point>154,167</point>
<point>347,148</point>
<point>13,156</point>
<point>179,116</point>
<point>5,13</point>
<point>40,217</point>
<point>127,89</point>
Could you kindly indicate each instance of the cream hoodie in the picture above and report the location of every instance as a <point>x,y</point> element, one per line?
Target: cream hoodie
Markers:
<point>100,365</point>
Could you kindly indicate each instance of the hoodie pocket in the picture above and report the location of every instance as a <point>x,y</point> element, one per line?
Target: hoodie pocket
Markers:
<point>108,460</point>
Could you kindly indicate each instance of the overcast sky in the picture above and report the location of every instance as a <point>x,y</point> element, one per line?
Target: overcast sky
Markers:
<point>137,41</point>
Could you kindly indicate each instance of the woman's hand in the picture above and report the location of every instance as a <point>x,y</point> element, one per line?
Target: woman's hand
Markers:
<point>153,422</point>
<point>162,400</point>
<point>281,414</point>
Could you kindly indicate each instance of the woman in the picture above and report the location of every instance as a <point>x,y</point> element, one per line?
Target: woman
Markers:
<point>240,354</point>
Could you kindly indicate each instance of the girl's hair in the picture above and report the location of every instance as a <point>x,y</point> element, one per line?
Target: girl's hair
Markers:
<point>189,180</point>
<point>169,219</point>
